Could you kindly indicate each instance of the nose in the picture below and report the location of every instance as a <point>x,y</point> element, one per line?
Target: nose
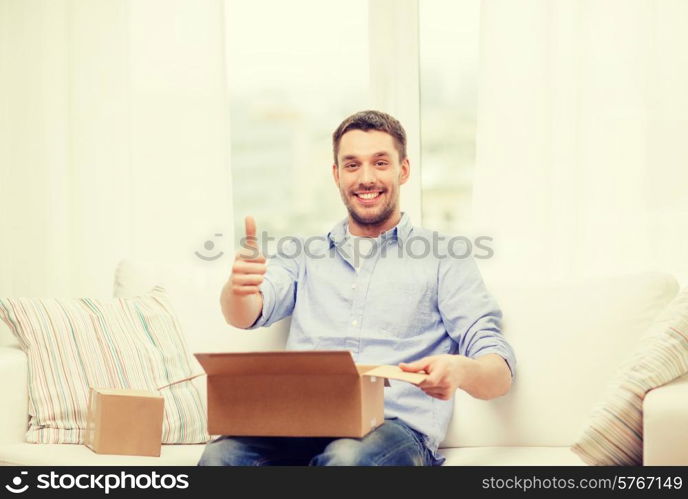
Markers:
<point>367,175</point>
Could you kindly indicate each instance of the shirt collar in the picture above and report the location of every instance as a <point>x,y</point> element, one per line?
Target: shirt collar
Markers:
<point>401,231</point>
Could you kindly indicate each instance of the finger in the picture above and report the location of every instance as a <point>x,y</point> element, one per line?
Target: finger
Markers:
<point>430,381</point>
<point>250,255</point>
<point>245,290</point>
<point>427,385</point>
<point>249,267</point>
<point>439,394</point>
<point>246,279</point>
<point>433,393</point>
<point>416,366</point>
<point>250,226</point>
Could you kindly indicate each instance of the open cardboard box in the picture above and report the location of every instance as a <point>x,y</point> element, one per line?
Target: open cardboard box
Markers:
<point>296,393</point>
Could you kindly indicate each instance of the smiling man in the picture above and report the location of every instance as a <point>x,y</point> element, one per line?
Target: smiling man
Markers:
<point>390,304</point>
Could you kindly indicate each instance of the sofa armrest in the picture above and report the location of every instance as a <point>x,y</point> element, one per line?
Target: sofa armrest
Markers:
<point>665,424</point>
<point>13,394</point>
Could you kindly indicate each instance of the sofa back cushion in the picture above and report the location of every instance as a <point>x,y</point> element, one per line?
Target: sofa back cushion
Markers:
<point>569,340</point>
<point>7,338</point>
<point>194,293</point>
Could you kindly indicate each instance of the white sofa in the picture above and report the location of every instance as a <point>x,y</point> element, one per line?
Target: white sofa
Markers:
<point>569,338</point>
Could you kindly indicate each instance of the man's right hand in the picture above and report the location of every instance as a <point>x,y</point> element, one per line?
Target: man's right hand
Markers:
<point>241,299</point>
<point>249,264</point>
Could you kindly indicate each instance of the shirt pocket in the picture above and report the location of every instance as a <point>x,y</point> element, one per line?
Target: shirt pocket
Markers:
<point>405,309</point>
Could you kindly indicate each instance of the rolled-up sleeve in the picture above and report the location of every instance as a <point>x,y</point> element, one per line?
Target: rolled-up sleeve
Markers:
<point>470,314</point>
<point>280,285</point>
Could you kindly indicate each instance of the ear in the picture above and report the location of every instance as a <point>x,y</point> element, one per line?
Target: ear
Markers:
<point>405,171</point>
<point>335,173</point>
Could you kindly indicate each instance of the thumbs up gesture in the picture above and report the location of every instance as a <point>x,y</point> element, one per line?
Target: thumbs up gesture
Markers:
<point>249,264</point>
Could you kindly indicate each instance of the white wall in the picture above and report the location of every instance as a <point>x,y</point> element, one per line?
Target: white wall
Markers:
<point>114,139</point>
<point>582,161</point>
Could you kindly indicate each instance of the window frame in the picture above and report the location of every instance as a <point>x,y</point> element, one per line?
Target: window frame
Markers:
<point>394,55</point>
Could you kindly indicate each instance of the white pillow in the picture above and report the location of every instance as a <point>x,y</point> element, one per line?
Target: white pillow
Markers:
<point>75,344</point>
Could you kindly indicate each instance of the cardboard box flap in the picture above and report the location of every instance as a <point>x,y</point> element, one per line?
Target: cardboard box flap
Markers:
<point>395,372</point>
<point>283,362</point>
<point>126,392</point>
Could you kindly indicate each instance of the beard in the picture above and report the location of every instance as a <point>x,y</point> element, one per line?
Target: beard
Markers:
<point>368,217</point>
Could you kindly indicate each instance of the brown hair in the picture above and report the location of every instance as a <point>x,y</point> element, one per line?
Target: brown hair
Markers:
<point>371,120</point>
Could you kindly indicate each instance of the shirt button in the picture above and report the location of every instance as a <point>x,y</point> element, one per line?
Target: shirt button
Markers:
<point>353,286</point>
<point>354,323</point>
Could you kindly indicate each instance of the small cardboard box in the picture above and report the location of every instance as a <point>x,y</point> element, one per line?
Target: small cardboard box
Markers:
<point>127,422</point>
<point>295,393</point>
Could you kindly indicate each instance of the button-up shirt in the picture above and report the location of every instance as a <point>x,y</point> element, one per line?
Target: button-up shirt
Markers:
<point>417,293</point>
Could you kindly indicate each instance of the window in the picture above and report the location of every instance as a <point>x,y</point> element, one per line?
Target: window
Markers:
<point>448,97</point>
<point>296,70</point>
<point>293,80</point>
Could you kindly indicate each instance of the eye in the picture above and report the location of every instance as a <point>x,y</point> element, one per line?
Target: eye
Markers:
<point>350,165</point>
<point>381,163</point>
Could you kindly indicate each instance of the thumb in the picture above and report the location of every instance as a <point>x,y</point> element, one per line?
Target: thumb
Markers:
<point>251,239</point>
<point>416,366</point>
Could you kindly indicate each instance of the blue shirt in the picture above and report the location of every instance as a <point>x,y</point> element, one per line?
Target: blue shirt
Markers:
<point>417,293</point>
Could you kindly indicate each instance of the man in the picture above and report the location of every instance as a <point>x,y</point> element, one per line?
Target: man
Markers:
<point>392,304</point>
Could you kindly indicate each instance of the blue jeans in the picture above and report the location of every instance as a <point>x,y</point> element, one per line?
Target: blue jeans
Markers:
<point>390,444</point>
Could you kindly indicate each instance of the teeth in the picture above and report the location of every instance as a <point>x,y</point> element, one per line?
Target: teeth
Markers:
<point>369,195</point>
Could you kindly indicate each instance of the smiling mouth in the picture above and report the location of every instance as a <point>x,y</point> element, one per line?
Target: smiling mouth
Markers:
<point>368,196</point>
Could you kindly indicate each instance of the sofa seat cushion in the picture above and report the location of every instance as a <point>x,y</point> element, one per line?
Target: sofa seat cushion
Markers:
<point>80,455</point>
<point>188,455</point>
<point>510,456</point>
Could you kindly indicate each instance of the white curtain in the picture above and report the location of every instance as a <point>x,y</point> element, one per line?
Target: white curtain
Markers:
<point>582,159</point>
<point>114,140</point>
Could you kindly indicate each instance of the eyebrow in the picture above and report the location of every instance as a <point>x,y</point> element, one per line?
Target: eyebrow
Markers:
<point>376,155</point>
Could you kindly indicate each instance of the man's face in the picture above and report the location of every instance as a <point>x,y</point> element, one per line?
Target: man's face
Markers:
<point>369,175</point>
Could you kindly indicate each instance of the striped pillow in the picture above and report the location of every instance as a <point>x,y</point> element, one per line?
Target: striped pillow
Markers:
<point>74,344</point>
<point>614,434</point>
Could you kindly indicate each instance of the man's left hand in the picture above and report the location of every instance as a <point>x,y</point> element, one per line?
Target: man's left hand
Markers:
<point>445,372</point>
